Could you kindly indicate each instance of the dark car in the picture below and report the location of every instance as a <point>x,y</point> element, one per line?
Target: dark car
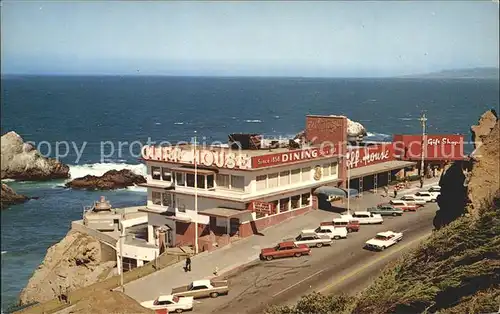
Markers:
<point>386,210</point>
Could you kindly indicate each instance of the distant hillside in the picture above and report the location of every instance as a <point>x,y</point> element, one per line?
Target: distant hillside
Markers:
<point>472,73</point>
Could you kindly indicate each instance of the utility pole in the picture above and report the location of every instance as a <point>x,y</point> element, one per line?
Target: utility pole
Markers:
<point>122,235</point>
<point>195,198</point>
<point>348,188</point>
<point>423,119</point>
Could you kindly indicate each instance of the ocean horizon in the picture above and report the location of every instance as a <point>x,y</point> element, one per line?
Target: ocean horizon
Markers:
<point>96,109</point>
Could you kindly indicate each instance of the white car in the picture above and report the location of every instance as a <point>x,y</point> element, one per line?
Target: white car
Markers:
<point>365,218</point>
<point>331,231</point>
<point>383,240</point>
<point>434,189</point>
<point>171,303</point>
<point>312,239</point>
<point>412,199</point>
<point>427,196</point>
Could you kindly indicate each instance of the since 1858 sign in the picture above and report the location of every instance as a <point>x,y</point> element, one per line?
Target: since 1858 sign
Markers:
<point>262,207</point>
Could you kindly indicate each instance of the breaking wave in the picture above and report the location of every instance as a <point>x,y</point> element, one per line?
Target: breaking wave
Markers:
<point>253,121</point>
<point>406,119</point>
<point>378,136</point>
<point>8,180</point>
<point>178,123</point>
<point>98,169</point>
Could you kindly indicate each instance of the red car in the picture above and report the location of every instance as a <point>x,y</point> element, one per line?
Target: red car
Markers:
<point>350,225</point>
<point>403,205</point>
<point>284,249</point>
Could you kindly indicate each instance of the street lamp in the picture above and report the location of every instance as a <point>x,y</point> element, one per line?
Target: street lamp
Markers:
<point>122,236</point>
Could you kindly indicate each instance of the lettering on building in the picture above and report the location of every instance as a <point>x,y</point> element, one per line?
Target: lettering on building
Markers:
<point>209,158</point>
<point>292,156</point>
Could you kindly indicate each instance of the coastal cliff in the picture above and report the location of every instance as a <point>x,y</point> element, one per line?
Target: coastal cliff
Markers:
<point>76,261</point>
<point>10,197</point>
<point>21,161</point>
<point>457,269</point>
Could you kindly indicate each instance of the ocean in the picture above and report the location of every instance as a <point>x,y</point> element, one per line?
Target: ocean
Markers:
<point>99,113</point>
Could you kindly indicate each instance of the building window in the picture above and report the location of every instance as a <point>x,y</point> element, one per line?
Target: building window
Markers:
<point>155,173</point>
<point>167,199</point>
<point>306,200</point>
<point>190,180</point>
<point>295,200</point>
<point>275,206</point>
<point>333,168</point>
<point>295,177</point>
<point>222,180</point>
<point>261,182</point>
<point>284,204</point>
<point>238,183</point>
<point>179,177</point>
<point>284,178</point>
<point>200,181</point>
<point>272,180</point>
<point>210,181</point>
<point>156,198</point>
<point>166,175</point>
<point>259,215</point>
<point>306,174</point>
<point>182,208</point>
<point>326,170</point>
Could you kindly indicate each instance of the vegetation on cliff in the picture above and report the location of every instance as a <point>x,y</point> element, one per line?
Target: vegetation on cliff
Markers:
<point>457,270</point>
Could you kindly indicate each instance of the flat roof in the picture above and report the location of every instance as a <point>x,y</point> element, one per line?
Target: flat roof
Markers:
<point>223,212</point>
<point>249,152</point>
<point>377,168</point>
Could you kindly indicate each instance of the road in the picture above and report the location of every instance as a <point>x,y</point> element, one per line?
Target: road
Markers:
<point>343,267</point>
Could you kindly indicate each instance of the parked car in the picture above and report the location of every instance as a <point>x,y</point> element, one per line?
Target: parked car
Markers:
<point>202,289</point>
<point>386,210</point>
<point>330,231</point>
<point>412,199</point>
<point>312,239</point>
<point>351,225</point>
<point>384,240</point>
<point>284,249</point>
<point>171,303</point>
<point>365,218</point>
<point>403,205</point>
<point>428,196</point>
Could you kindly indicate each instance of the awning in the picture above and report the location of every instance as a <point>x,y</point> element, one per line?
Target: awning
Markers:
<point>156,186</point>
<point>381,167</point>
<point>330,191</point>
<point>223,212</point>
<point>352,192</point>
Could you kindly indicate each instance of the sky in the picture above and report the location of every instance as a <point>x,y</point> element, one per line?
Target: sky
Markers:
<point>260,38</point>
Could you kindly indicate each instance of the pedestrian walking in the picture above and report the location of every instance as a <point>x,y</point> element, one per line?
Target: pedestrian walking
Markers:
<point>386,190</point>
<point>188,264</point>
<point>395,192</point>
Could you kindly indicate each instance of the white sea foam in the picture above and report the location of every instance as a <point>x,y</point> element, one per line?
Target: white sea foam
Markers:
<point>98,169</point>
<point>253,121</point>
<point>8,180</point>
<point>138,189</point>
<point>179,123</point>
<point>3,252</point>
<point>378,135</point>
<point>158,123</point>
<point>407,119</point>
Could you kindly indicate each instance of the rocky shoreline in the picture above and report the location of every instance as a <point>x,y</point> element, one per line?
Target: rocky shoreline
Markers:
<point>10,197</point>
<point>111,180</point>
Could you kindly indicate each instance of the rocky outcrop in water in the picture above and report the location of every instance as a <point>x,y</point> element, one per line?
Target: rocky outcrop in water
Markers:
<point>484,180</point>
<point>10,197</point>
<point>21,161</point>
<point>355,130</point>
<point>75,262</point>
<point>111,180</point>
